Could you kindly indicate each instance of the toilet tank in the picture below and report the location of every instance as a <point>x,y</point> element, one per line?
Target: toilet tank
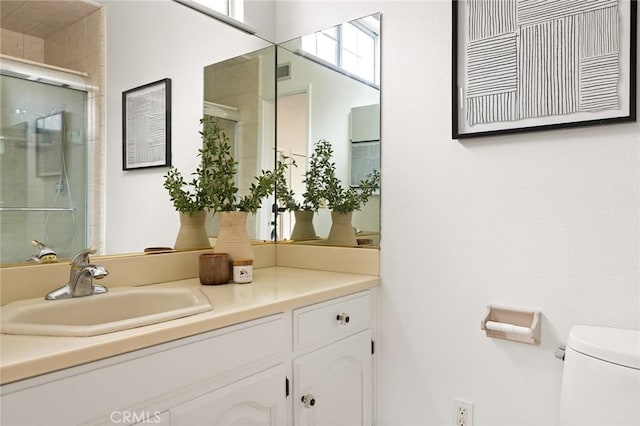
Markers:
<point>601,378</point>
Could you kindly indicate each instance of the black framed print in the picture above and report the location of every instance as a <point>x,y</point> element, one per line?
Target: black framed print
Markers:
<point>522,65</point>
<point>146,126</point>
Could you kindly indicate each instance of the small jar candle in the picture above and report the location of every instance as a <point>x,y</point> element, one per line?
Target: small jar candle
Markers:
<point>214,268</point>
<point>242,271</point>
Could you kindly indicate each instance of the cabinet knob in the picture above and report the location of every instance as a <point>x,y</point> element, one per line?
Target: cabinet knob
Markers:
<point>308,400</point>
<point>343,318</point>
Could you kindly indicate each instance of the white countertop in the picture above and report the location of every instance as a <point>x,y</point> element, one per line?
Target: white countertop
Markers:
<point>273,290</point>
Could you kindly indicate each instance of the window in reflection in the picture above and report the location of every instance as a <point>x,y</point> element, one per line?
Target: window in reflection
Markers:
<point>358,52</point>
<point>231,8</point>
<point>352,47</point>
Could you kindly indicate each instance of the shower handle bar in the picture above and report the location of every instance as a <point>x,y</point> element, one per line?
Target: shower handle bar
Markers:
<point>37,209</point>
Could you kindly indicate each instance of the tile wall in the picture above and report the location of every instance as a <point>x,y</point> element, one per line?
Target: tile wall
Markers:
<point>22,46</point>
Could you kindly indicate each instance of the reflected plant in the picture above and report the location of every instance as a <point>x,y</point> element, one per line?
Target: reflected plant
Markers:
<point>352,199</point>
<point>213,188</point>
<point>283,194</point>
<point>313,197</point>
<point>314,178</point>
<point>323,186</point>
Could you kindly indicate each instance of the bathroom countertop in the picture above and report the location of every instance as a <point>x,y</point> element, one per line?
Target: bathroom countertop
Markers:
<point>273,290</point>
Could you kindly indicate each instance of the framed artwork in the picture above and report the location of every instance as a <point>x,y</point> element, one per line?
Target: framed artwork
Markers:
<point>146,126</point>
<point>522,65</point>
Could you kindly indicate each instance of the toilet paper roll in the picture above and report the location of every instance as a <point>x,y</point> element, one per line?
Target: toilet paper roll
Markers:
<point>508,328</point>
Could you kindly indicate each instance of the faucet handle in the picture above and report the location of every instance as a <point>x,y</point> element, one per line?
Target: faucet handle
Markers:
<point>82,257</point>
<point>45,254</point>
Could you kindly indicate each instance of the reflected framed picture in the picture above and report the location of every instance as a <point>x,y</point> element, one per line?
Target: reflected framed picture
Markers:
<point>365,159</point>
<point>522,66</point>
<point>146,126</point>
<point>49,144</point>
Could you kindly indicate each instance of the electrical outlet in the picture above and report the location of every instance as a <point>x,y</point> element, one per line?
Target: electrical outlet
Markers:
<point>462,413</point>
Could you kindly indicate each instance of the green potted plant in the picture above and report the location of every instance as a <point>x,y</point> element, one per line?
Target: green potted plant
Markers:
<point>213,190</point>
<point>191,201</point>
<point>343,202</point>
<point>323,187</point>
<point>313,198</point>
<point>353,199</point>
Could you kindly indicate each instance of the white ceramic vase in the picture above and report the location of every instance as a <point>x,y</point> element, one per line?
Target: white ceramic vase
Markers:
<point>192,233</point>
<point>342,232</point>
<point>233,237</point>
<point>303,228</point>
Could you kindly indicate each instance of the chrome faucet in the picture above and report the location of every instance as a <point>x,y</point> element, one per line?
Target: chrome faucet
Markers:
<point>81,278</point>
<point>45,254</point>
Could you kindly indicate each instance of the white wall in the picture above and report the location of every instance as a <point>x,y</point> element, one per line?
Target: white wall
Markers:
<point>545,220</point>
<point>148,41</point>
<point>259,14</point>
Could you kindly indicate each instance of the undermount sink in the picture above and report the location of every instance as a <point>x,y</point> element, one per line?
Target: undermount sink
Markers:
<point>122,308</point>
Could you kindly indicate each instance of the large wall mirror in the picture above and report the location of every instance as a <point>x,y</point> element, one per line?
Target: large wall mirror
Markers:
<point>328,88</point>
<point>240,94</point>
<point>215,70</point>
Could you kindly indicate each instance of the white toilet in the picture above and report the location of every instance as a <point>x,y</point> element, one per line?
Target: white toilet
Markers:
<point>601,378</point>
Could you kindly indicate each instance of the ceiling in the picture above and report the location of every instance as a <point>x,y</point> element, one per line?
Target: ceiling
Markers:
<point>42,18</point>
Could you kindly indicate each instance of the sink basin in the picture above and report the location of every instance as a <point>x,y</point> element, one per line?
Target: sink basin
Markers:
<point>121,308</point>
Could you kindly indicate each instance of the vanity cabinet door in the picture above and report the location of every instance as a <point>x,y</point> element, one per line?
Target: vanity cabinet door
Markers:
<point>139,387</point>
<point>333,385</point>
<point>258,400</point>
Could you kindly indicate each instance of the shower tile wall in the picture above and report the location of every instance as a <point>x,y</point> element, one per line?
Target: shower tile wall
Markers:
<point>22,46</point>
<point>79,47</point>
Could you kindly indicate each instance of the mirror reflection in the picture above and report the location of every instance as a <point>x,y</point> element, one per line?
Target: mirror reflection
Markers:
<point>111,46</point>
<point>84,198</point>
<point>144,45</point>
<point>44,139</point>
<point>43,152</point>
<point>240,94</point>
<point>328,90</point>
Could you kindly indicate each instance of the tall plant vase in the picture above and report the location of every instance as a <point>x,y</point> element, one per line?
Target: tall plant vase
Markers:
<point>233,237</point>
<point>342,232</point>
<point>192,233</point>
<point>303,228</point>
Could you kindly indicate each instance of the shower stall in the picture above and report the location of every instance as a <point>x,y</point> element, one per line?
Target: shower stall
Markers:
<point>43,160</point>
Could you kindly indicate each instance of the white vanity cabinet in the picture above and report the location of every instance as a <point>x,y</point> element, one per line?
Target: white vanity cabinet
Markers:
<point>307,366</point>
<point>333,362</point>
<point>234,367</point>
<point>257,400</point>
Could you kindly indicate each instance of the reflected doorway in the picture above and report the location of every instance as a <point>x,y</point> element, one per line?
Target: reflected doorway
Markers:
<point>293,142</point>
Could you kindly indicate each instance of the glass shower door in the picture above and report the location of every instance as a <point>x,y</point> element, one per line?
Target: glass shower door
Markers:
<point>43,172</point>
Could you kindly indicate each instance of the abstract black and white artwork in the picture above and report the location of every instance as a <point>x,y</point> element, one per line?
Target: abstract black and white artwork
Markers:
<point>523,65</point>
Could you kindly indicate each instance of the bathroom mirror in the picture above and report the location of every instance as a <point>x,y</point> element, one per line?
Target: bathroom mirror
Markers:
<point>164,39</point>
<point>328,87</point>
<point>240,94</point>
<point>120,45</point>
<point>130,210</point>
